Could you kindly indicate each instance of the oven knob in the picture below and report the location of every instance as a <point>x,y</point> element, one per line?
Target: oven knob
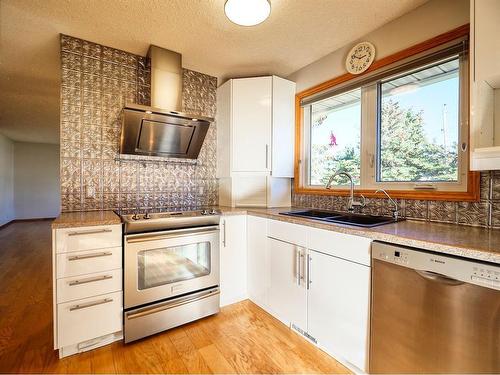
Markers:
<point>204,212</point>
<point>146,216</point>
<point>213,212</point>
<point>135,217</point>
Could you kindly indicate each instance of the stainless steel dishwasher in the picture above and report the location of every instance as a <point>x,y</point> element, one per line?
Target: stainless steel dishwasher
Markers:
<point>433,313</point>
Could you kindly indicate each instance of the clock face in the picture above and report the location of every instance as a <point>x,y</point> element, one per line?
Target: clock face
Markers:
<point>360,57</point>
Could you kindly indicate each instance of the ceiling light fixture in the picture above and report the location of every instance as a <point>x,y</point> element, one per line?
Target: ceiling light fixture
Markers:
<point>247,12</point>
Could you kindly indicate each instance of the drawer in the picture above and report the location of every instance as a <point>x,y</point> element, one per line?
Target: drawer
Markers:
<point>354,248</point>
<point>94,284</point>
<point>88,238</point>
<point>91,261</point>
<point>88,318</point>
<point>288,232</point>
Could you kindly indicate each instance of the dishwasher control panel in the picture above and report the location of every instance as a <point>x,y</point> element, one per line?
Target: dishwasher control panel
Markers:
<point>440,266</point>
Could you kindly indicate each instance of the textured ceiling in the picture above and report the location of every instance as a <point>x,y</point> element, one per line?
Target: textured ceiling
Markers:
<point>297,33</point>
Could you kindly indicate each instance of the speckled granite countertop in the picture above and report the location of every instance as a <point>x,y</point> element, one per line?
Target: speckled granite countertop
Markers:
<point>85,219</point>
<point>469,242</point>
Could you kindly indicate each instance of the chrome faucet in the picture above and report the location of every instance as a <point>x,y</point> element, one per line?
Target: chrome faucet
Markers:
<point>352,202</point>
<point>395,210</point>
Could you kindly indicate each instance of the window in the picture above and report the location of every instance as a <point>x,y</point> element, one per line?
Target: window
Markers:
<point>419,125</point>
<point>335,130</point>
<point>401,128</point>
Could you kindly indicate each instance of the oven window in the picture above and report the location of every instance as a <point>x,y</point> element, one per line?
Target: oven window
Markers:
<point>173,264</point>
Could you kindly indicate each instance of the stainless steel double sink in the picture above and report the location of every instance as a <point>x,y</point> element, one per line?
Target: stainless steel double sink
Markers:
<point>359,220</point>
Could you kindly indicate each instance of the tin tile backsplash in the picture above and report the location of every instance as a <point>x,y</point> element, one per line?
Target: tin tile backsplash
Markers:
<point>485,213</point>
<point>97,81</point>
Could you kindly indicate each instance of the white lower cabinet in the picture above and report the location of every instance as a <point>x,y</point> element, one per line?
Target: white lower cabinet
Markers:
<point>338,307</point>
<point>88,297</point>
<point>287,289</point>
<point>89,318</point>
<point>233,259</point>
<point>315,281</point>
<point>258,261</point>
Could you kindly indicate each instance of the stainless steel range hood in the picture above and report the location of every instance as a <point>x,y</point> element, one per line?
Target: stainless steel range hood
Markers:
<point>163,129</point>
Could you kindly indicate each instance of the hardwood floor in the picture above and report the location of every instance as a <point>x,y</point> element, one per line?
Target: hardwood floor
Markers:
<point>241,339</point>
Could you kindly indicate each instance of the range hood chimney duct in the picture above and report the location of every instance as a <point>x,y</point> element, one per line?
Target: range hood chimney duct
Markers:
<point>166,78</point>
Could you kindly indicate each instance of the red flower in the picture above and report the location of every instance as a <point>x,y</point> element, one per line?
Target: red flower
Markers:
<point>333,140</point>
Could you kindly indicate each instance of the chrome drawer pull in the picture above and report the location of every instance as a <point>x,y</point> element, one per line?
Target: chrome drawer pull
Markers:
<point>90,280</point>
<point>92,231</point>
<point>90,304</point>
<point>94,255</point>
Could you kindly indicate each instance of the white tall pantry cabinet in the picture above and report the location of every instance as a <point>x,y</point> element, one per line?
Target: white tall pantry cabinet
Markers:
<point>255,141</point>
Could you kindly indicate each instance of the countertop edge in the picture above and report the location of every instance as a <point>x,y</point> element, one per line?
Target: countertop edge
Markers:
<point>85,219</point>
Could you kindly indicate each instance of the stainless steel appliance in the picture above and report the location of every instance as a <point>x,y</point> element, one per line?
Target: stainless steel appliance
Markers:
<point>433,313</point>
<point>163,129</point>
<point>155,132</point>
<point>171,270</point>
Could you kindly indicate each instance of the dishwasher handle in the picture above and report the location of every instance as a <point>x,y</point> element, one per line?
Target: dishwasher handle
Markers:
<point>437,277</point>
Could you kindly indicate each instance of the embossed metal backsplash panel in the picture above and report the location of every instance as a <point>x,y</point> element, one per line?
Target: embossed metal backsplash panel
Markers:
<point>485,213</point>
<point>97,81</point>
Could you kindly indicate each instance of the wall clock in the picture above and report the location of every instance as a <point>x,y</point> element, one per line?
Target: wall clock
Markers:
<point>360,57</point>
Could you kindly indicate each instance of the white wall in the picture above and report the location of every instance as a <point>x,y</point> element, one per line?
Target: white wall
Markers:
<point>36,180</point>
<point>431,19</point>
<point>6,180</point>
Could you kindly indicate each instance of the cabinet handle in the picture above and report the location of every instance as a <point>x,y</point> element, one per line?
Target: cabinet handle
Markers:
<point>224,233</point>
<point>309,271</point>
<point>89,280</point>
<point>267,156</point>
<point>90,304</point>
<point>297,266</point>
<point>93,255</point>
<point>92,231</point>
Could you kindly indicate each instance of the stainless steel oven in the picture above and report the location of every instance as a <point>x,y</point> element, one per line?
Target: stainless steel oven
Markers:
<point>171,276</point>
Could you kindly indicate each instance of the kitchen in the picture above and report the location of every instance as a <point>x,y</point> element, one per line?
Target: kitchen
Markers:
<point>243,178</point>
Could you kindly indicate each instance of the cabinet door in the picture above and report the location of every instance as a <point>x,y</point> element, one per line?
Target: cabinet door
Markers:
<point>283,127</point>
<point>287,290</point>
<point>338,307</point>
<point>233,259</point>
<point>250,191</point>
<point>258,262</point>
<point>251,124</point>
<point>486,27</point>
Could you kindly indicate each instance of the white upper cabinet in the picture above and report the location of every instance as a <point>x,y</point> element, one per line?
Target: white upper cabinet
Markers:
<point>486,29</point>
<point>252,121</point>
<point>485,85</point>
<point>283,127</point>
<point>255,127</point>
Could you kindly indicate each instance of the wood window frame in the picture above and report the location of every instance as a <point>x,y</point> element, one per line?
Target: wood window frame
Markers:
<point>473,178</point>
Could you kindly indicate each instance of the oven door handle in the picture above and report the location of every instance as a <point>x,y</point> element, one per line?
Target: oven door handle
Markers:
<point>133,238</point>
<point>171,304</point>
